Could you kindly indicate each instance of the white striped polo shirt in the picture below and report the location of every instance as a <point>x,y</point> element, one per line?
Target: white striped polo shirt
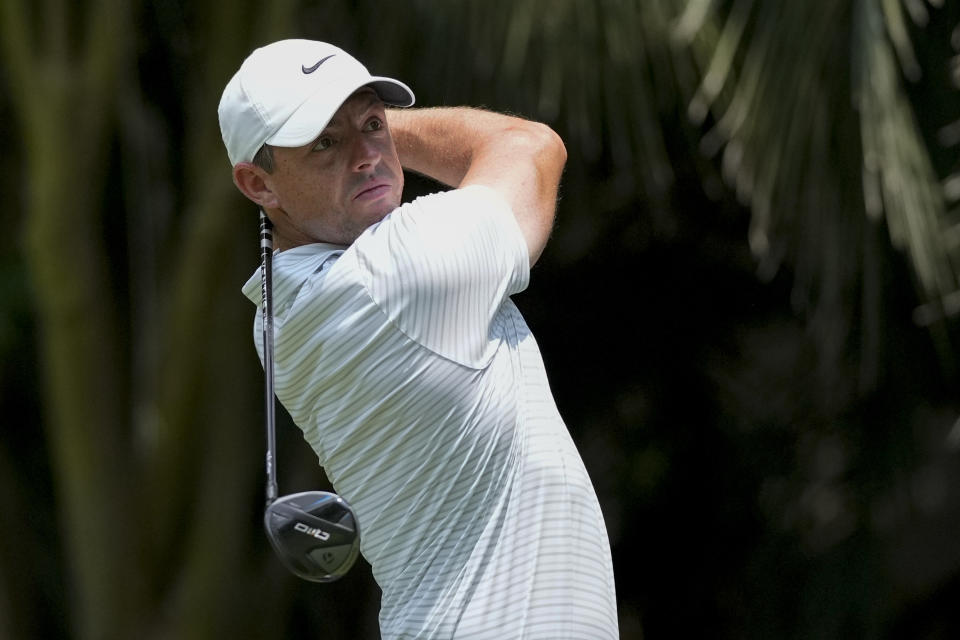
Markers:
<point>423,393</point>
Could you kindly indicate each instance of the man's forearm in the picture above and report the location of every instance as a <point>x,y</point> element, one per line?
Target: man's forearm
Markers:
<point>442,142</point>
<point>461,146</point>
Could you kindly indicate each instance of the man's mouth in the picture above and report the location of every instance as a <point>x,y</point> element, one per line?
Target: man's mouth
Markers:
<point>373,191</point>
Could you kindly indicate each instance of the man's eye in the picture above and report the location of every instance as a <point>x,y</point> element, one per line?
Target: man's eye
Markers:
<point>376,124</point>
<point>323,143</point>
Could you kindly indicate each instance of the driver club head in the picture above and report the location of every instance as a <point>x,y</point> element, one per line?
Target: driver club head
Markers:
<point>314,533</point>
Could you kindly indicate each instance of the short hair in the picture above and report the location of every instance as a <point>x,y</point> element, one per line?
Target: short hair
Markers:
<point>264,158</point>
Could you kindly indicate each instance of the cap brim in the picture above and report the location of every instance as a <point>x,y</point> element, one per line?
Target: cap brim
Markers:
<point>315,113</point>
<point>392,92</point>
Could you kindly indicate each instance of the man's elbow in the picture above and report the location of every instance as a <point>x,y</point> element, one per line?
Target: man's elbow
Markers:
<point>542,145</point>
<point>550,144</point>
<point>557,147</point>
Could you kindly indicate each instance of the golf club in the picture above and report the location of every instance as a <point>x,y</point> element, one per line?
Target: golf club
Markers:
<point>314,533</point>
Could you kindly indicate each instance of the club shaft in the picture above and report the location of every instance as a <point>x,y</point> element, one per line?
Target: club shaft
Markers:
<point>266,291</point>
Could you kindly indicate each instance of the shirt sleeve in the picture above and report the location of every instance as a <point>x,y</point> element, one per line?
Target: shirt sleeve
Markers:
<point>441,266</point>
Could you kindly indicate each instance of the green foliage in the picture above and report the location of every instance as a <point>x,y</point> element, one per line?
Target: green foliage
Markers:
<point>820,139</point>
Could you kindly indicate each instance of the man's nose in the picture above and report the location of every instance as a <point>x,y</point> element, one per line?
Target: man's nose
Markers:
<point>366,154</point>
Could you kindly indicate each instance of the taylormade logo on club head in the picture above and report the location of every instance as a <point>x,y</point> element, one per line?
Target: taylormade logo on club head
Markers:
<point>319,534</point>
<point>307,69</point>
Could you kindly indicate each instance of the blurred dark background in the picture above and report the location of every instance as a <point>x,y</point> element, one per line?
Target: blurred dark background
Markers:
<point>749,308</point>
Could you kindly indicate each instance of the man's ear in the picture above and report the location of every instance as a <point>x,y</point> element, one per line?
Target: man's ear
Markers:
<point>252,182</point>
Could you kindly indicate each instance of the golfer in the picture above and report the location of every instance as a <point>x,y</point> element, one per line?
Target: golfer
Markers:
<point>400,354</point>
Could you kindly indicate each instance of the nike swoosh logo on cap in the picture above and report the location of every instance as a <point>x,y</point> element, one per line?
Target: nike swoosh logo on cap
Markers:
<point>316,66</point>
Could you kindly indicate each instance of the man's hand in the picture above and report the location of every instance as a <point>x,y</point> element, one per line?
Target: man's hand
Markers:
<point>460,146</point>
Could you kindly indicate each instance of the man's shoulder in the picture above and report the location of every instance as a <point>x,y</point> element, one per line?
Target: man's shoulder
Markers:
<point>481,196</point>
<point>291,268</point>
<point>443,217</point>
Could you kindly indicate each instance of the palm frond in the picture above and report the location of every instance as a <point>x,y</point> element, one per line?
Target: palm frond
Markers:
<point>601,71</point>
<point>819,137</point>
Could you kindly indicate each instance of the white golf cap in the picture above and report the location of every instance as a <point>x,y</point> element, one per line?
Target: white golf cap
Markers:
<point>285,93</point>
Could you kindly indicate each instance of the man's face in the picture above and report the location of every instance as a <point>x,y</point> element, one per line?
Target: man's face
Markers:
<point>347,179</point>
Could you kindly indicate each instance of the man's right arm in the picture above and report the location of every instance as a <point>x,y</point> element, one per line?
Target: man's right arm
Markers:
<point>461,146</point>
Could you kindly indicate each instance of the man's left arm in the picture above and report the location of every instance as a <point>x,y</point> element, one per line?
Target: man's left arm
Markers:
<point>460,146</point>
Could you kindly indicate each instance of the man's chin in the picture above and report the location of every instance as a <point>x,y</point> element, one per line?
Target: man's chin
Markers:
<point>383,209</point>
<point>371,218</point>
